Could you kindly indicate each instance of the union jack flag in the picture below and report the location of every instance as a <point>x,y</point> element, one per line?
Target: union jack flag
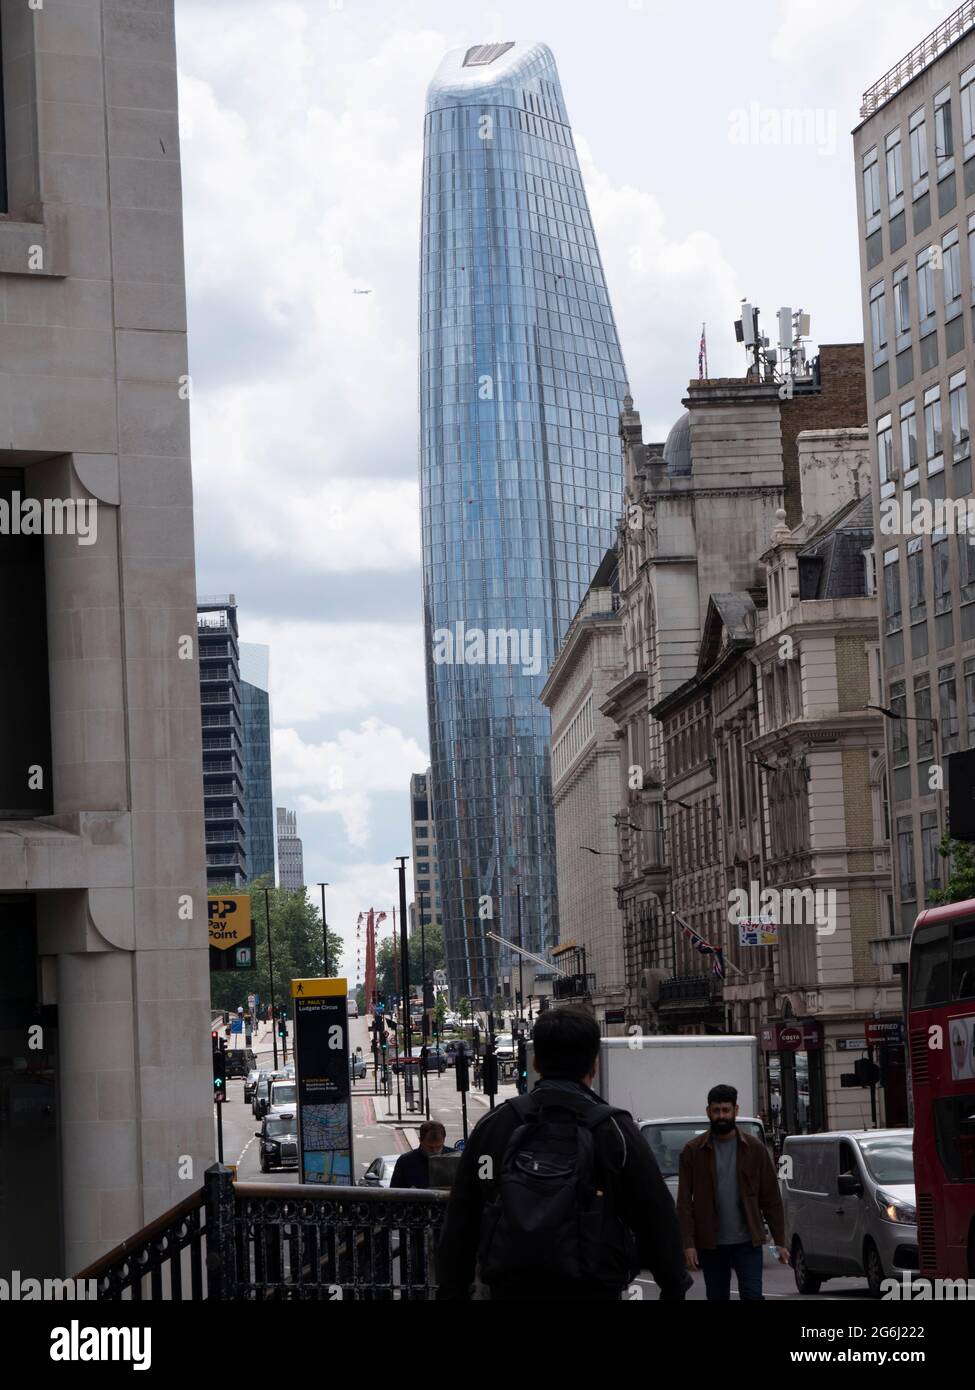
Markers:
<point>702,355</point>
<point>701,944</point>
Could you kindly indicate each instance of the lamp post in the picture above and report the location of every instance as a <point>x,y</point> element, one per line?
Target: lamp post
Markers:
<point>404,940</point>
<point>425,1033</point>
<point>270,966</point>
<point>521,959</point>
<point>323,886</point>
<point>936,748</point>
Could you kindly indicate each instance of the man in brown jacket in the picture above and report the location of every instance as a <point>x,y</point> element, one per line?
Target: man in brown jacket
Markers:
<point>727,1190</point>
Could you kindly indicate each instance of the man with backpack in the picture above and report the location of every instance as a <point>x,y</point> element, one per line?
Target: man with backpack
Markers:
<point>557,1196</point>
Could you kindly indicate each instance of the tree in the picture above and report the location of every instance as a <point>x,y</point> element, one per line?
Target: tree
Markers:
<point>961,871</point>
<point>296,940</point>
<point>388,979</point>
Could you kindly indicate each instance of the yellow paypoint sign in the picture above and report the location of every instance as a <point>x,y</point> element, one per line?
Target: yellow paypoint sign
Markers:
<point>231,932</point>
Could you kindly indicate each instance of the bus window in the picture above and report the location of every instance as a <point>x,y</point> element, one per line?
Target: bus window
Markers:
<point>954,1127</point>
<point>929,967</point>
<point>963,961</point>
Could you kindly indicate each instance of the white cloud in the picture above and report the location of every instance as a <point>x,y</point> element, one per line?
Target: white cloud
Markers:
<point>342,775</point>
<point>321,670</point>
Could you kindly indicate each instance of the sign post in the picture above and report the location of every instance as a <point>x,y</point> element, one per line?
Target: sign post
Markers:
<point>321,1051</point>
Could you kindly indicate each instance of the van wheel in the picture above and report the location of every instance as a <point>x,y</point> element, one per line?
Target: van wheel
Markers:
<point>806,1281</point>
<point>873,1269</point>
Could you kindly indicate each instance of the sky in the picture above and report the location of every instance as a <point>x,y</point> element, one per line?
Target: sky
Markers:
<point>715,148</point>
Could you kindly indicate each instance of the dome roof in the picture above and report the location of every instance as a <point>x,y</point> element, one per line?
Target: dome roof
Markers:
<point>677,450</point>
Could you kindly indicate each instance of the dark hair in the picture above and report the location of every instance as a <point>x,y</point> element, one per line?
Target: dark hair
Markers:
<point>431,1127</point>
<point>566,1043</point>
<point>720,1095</point>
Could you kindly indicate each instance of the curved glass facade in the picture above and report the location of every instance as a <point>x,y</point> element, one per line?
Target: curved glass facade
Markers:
<point>521,385</point>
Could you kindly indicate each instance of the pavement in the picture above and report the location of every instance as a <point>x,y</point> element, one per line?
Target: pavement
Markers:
<point>378,1130</point>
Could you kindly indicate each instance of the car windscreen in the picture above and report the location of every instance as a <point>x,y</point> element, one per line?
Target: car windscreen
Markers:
<point>667,1140</point>
<point>278,1129</point>
<point>889,1158</point>
<point>283,1093</point>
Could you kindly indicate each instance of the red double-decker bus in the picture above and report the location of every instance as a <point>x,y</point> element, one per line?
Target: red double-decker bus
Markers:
<point>941,1027</point>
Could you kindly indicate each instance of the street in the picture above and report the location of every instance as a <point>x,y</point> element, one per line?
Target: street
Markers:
<point>378,1131</point>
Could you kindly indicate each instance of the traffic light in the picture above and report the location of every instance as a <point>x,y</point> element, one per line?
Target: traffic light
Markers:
<point>521,1078</point>
<point>461,1072</point>
<point>219,1070</point>
<point>282,1027</point>
<point>489,1074</point>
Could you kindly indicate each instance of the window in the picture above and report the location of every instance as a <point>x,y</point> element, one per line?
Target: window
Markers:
<point>967,82</point>
<point>919,153</point>
<point>905,859</point>
<point>885,448</point>
<point>966,567</point>
<point>930,858</point>
<point>944,145</point>
<point>915,580</point>
<point>933,441</point>
<point>902,304</point>
<point>958,408</point>
<point>926,305</point>
<point>948,709</point>
<point>899,741</point>
<point>908,438</point>
<point>970,700</point>
<point>895,172</point>
<point>941,565</point>
<point>892,591</point>
<point>878,323</point>
<point>871,190</point>
<point>951,263</point>
<point>922,716</point>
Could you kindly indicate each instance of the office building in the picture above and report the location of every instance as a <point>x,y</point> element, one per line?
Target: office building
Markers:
<point>223,756</point>
<point>255,706</point>
<point>291,863</point>
<point>521,382</point>
<point>426,872</point>
<point>105,1082</point>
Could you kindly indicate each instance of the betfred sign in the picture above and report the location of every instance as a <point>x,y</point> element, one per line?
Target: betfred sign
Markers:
<point>880,1030</point>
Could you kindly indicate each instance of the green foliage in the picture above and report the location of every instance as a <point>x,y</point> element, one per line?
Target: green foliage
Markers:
<point>961,875</point>
<point>296,941</point>
<point>388,979</point>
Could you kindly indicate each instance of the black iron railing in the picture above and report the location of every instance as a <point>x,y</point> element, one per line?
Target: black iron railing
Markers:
<point>265,1241</point>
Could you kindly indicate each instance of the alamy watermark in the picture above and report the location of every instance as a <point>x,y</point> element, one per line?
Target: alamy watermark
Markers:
<point>928,517</point>
<point>54,516</point>
<point>495,646</point>
<point>789,907</point>
<point>17,1289</point>
<point>814,127</point>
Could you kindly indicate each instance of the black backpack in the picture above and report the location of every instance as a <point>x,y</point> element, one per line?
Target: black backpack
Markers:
<point>553,1217</point>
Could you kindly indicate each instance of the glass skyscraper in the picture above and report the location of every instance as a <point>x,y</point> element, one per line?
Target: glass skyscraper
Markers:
<point>521,385</point>
<point>255,707</point>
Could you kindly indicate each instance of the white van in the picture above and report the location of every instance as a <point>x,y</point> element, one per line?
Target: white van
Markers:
<point>353,1007</point>
<point>849,1206</point>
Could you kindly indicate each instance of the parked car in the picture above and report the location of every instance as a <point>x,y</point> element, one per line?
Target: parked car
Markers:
<point>279,1140</point>
<point>435,1061</point>
<point>850,1206</point>
<point>250,1081</point>
<point>240,1061</point>
<point>504,1047</point>
<point>380,1171</point>
<point>667,1138</point>
<point>358,1068</point>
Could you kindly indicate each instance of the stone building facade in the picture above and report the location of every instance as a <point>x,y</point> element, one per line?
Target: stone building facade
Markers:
<point>586,792</point>
<point>106,1117</point>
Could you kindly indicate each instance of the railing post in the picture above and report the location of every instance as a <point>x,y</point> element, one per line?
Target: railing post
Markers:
<point>221,1257</point>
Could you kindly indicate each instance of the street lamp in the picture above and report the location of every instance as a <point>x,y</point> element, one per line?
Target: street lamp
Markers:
<point>890,713</point>
<point>323,886</point>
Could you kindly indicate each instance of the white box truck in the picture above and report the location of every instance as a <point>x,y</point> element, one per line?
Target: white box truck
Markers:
<point>663,1081</point>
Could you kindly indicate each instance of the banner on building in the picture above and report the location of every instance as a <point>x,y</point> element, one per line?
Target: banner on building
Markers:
<point>321,1042</point>
<point>231,932</point>
<point>756,931</point>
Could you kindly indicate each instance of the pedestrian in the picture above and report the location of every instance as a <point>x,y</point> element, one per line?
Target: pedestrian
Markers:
<point>557,1196</point>
<point>726,1192</point>
<point>413,1169</point>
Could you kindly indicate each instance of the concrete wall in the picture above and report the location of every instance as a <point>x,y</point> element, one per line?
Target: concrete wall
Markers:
<point>92,399</point>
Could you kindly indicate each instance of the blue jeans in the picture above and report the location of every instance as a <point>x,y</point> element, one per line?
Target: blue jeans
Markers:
<point>745,1260</point>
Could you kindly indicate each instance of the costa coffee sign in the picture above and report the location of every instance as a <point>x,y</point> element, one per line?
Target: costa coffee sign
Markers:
<point>801,1036</point>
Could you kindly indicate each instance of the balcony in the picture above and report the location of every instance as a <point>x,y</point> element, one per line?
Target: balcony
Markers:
<point>221,721</point>
<point>920,57</point>
<point>259,1242</point>
<point>689,989</point>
